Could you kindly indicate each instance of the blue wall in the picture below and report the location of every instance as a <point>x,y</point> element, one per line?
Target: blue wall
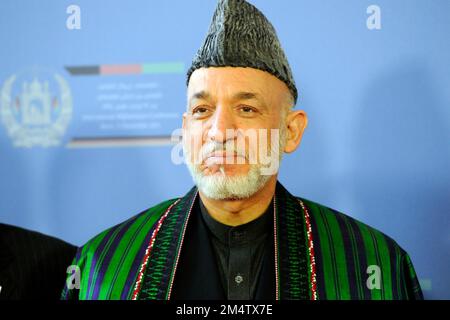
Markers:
<point>377,146</point>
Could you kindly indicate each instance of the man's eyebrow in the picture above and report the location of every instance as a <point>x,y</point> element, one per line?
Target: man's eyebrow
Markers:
<point>247,96</point>
<point>201,95</point>
<point>243,95</point>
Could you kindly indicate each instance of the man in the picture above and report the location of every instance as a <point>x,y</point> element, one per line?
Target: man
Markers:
<point>32,265</point>
<point>239,234</point>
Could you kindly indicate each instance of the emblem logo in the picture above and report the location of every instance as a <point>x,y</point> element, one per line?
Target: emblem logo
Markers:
<point>35,108</point>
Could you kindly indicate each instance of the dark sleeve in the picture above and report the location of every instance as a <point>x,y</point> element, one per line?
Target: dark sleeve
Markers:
<point>34,265</point>
<point>71,290</point>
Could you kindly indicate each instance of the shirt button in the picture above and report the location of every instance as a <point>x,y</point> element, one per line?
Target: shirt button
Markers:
<point>239,235</point>
<point>238,279</point>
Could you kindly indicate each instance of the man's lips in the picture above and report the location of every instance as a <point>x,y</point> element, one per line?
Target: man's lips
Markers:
<point>221,154</point>
<point>222,157</point>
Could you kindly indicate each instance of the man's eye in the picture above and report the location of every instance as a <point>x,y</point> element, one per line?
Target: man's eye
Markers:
<point>247,109</point>
<point>200,110</point>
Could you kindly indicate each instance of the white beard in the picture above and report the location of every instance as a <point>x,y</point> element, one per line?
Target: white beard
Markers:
<point>219,186</point>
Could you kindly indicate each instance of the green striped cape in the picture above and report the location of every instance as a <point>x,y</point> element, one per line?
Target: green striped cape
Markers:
<point>319,254</point>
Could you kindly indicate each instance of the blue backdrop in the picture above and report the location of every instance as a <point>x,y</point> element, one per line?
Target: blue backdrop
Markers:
<point>86,113</point>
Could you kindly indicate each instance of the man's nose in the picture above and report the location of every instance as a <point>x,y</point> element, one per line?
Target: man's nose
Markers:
<point>220,122</point>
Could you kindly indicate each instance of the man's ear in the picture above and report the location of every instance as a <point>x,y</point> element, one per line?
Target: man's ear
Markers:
<point>296,122</point>
<point>184,120</point>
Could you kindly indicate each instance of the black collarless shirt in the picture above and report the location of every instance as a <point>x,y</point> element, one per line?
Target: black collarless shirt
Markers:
<point>240,252</point>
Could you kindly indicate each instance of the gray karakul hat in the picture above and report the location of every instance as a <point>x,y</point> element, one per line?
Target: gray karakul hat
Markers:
<point>241,36</point>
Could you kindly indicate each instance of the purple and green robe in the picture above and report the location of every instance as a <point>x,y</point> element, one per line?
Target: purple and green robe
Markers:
<point>318,253</point>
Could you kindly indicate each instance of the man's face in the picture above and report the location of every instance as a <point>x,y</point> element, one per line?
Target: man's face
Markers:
<point>227,129</point>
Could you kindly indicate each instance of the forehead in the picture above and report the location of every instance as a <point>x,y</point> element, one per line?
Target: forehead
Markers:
<point>226,81</point>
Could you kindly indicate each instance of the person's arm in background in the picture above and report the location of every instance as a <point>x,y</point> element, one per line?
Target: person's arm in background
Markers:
<point>32,265</point>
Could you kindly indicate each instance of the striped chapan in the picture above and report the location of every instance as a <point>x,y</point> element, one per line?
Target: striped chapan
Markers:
<point>319,254</point>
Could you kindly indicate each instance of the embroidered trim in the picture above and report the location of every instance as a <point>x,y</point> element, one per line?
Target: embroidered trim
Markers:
<point>277,275</point>
<point>179,247</point>
<point>313,280</point>
<point>143,266</point>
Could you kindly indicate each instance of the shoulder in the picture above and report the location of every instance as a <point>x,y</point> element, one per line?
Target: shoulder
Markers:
<point>150,216</point>
<point>17,240</point>
<point>358,256</point>
<point>24,237</point>
<point>108,262</point>
<point>123,240</point>
<point>31,261</point>
<point>141,222</point>
<point>347,230</point>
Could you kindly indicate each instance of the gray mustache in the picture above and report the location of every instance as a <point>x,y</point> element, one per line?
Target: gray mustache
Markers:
<point>211,147</point>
